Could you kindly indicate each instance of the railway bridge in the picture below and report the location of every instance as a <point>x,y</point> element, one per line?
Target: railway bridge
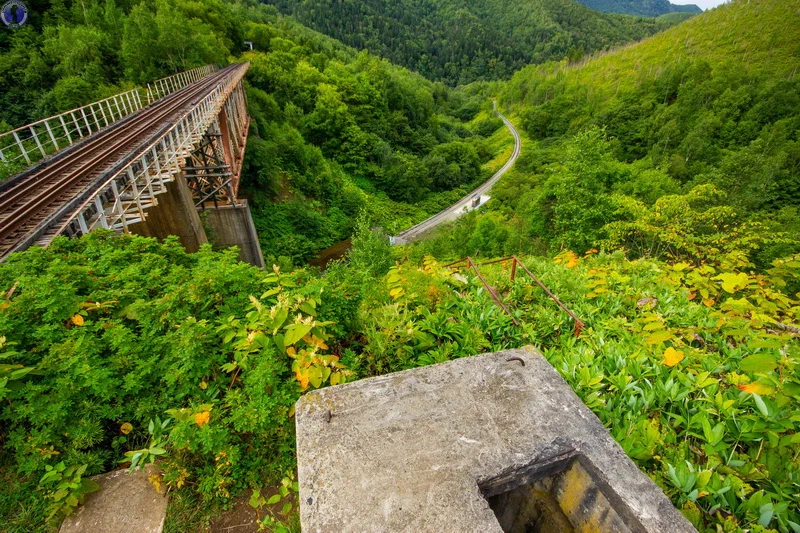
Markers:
<point>159,161</point>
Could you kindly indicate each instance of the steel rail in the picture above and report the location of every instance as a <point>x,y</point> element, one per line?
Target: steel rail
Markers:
<point>21,189</point>
<point>37,141</point>
<point>55,183</point>
<point>94,141</point>
<point>73,209</point>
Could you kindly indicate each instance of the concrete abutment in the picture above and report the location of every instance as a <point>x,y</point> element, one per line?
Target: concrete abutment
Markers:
<point>176,214</point>
<point>232,225</point>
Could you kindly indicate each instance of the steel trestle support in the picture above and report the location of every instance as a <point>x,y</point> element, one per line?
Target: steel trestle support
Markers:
<point>123,198</point>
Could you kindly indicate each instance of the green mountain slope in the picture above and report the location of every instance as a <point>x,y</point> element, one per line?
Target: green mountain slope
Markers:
<point>642,8</point>
<point>459,42</point>
<point>713,103</point>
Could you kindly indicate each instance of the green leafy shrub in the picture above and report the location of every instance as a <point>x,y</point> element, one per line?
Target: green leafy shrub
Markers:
<point>695,369</point>
<point>136,351</point>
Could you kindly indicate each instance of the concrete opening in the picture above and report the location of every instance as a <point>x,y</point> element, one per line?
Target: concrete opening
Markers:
<point>471,431</point>
<point>559,495</point>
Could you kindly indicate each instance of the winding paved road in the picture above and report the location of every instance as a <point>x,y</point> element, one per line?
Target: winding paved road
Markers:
<point>459,208</point>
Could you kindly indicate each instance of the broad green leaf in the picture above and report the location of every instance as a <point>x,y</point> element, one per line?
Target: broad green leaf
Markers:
<point>767,511</point>
<point>762,407</point>
<point>658,337</point>
<point>295,332</point>
<point>733,283</point>
<point>765,343</point>
<point>279,342</point>
<point>275,498</point>
<point>280,317</point>
<point>761,362</point>
<point>256,500</point>
<point>271,292</point>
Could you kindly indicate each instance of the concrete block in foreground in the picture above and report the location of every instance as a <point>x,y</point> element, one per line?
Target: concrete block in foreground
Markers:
<point>478,444</point>
<point>126,503</point>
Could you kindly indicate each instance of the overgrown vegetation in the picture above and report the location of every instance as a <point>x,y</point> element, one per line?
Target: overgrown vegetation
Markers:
<point>675,158</point>
<point>124,350</point>
<point>692,369</point>
<point>136,347</point>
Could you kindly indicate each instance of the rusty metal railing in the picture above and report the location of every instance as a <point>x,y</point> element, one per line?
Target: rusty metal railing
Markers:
<point>467,262</point>
<point>28,144</point>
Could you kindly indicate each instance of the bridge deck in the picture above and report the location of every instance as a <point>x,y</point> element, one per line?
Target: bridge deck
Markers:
<point>36,200</point>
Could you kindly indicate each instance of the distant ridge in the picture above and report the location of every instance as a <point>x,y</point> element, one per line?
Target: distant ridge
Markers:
<point>643,8</point>
<point>460,41</point>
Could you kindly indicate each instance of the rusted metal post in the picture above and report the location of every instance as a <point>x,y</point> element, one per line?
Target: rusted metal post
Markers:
<point>578,323</point>
<point>491,290</point>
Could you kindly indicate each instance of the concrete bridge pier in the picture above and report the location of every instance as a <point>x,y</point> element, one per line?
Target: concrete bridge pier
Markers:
<point>232,225</point>
<point>201,204</point>
<point>175,214</point>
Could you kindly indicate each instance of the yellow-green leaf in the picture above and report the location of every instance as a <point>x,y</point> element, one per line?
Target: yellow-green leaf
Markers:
<point>658,337</point>
<point>733,282</point>
<point>759,363</point>
<point>295,332</point>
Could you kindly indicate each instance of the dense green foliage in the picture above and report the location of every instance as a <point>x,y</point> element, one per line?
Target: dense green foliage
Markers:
<point>333,135</point>
<point>692,367</point>
<point>333,130</point>
<point>636,150</point>
<point>460,42</point>
<point>643,8</point>
<point>104,334</point>
<point>684,365</point>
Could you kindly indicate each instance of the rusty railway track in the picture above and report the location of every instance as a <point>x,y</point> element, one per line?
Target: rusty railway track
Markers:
<point>29,200</point>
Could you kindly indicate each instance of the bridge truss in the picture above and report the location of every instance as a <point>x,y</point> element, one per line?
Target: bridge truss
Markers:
<point>111,178</point>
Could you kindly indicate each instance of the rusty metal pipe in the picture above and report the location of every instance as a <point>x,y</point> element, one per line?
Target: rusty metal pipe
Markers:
<point>578,323</point>
<point>491,290</point>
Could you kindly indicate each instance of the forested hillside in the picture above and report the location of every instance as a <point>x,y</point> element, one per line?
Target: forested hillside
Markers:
<point>334,130</point>
<point>459,42</point>
<point>642,8</point>
<point>657,195</point>
<point>689,137</point>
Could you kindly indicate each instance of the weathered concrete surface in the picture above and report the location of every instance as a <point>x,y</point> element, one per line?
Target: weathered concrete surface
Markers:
<point>233,226</point>
<point>126,503</point>
<point>175,214</point>
<point>416,450</point>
